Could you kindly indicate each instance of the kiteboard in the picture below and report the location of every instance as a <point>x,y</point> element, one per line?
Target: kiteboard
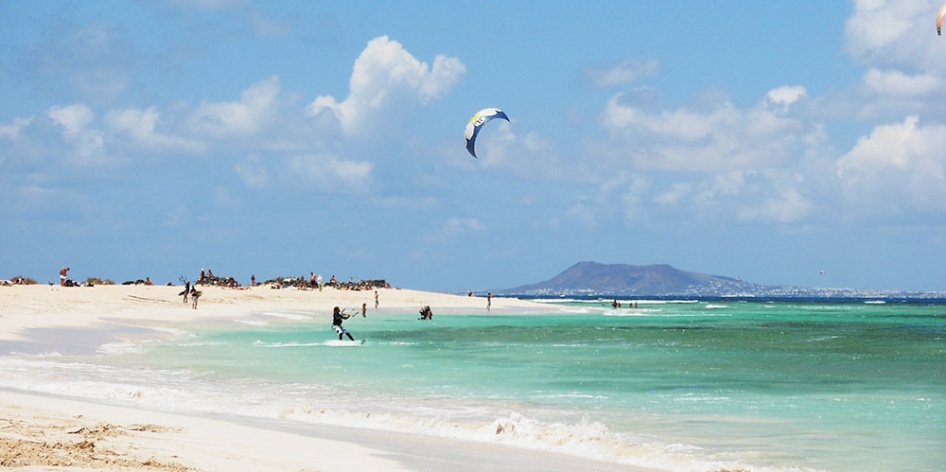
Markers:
<point>344,343</point>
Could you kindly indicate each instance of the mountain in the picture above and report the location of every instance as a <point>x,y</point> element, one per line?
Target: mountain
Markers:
<point>590,278</point>
<point>661,280</point>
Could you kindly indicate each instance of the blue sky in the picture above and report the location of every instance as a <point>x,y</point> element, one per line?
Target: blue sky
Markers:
<point>764,140</point>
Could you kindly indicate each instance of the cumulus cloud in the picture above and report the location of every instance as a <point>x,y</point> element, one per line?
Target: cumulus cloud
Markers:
<point>897,164</point>
<point>140,127</point>
<point>87,144</point>
<point>784,97</point>
<point>778,200</point>
<point>898,83</point>
<point>247,116</point>
<point>894,34</point>
<point>12,130</point>
<point>387,80</point>
<point>329,173</point>
<point>719,138</point>
<point>624,72</point>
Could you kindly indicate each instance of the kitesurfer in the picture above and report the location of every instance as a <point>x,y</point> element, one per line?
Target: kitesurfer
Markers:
<point>337,317</point>
<point>426,313</point>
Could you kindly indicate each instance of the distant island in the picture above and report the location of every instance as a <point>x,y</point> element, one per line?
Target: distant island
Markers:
<point>591,279</point>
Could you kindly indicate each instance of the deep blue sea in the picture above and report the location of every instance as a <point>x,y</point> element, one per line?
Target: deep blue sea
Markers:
<point>680,385</point>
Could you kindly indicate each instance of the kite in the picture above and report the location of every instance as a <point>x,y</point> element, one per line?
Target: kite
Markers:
<point>939,19</point>
<point>479,119</point>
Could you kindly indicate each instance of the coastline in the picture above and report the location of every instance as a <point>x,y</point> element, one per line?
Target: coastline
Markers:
<point>42,432</point>
<point>42,314</point>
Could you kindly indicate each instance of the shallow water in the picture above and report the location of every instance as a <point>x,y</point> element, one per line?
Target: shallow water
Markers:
<point>686,385</point>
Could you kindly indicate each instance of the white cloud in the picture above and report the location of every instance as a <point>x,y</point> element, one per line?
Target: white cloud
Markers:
<point>898,34</point>
<point>87,143</point>
<point>897,167</point>
<point>139,125</point>
<point>624,72</point>
<point>787,95</point>
<point>387,80</point>
<point>675,195</point>
<point>245,117</point>
<point>719,138</point>
<point>252,172</point>
<point>897,83</point>
<point>74,119</point>
<point>458,226</point>
<point>330,173</point>
<point>784,205</point>
<point>12,131</point>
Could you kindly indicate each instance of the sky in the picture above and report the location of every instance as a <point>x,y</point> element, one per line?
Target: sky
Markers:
<point>784,143</point>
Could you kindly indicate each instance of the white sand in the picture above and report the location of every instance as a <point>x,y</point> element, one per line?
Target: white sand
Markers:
<point>45,433</point>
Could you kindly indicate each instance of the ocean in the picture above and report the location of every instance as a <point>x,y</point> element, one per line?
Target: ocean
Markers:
<point>681,385</point>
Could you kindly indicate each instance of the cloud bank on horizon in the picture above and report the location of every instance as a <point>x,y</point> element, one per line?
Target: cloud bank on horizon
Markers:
<point>256,138</point>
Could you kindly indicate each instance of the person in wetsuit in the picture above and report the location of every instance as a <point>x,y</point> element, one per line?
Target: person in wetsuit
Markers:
<point>337,317</point>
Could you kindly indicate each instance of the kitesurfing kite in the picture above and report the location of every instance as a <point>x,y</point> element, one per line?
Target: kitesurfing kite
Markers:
<point>476,122</point>
<point>939,19</point>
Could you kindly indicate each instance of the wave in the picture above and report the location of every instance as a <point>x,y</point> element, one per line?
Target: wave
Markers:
<point>120,348</point>
<point>653,313</point>
<point>482,420</point>
<point>288,316</point>
<point>329,343</point>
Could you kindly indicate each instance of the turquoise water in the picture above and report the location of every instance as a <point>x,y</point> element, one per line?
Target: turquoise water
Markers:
<point>838,386</point>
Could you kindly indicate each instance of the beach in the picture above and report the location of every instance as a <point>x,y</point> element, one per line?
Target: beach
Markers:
<point>133,378</point>
<point>39,431</point>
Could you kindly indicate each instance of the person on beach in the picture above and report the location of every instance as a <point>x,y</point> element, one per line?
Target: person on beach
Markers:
<point>195,294</point>
<point>62,276</point>
<point>319,281</point>
<point>489,300</point>
<point>337,317</point>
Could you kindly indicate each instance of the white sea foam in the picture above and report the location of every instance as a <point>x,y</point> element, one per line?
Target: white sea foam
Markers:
<point>119,348</point>
<point>657,313</point>
<point>482,421</point>
<point>259,343</point>
<point>252,322</point>
<point>288,316</point>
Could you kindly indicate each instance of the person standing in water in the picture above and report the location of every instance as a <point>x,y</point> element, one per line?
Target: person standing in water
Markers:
<point>337,317</point>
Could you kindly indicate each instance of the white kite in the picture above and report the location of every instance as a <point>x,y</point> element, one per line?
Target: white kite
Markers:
<point>477,121</point>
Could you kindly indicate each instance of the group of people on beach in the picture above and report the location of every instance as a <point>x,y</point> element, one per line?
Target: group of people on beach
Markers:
<point>19,280</point>
<point>192,292</point>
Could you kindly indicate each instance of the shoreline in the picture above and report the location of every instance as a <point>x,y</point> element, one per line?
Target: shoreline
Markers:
<point>27,310</point>
<point>43,432</point>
